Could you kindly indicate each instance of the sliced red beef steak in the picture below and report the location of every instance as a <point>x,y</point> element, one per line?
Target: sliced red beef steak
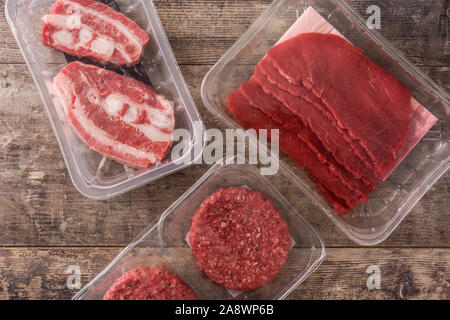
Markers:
<point>363,97</point>
<point>297,150</point>
<point>274,77</point>
<point>328,135</point>
<point>116,116</point>
<point>259,99</point>
<point>87,28</point>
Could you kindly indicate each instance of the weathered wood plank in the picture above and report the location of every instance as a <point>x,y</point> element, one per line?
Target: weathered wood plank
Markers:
<point>405,274</point>
<point>40,206</point>
<point>201,31</point>
<point>32,273</point>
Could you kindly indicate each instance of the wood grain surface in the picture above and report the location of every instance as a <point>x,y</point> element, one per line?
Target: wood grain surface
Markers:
<point>46,225</point>
<point>35,273</point>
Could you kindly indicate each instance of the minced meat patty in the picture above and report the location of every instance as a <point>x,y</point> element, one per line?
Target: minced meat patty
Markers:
<point>145,283</point>
<point>239,239</point>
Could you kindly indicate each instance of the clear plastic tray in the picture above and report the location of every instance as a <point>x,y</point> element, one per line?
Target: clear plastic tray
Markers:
<point>373,222</point>
<point>92,174</point>
<point>165,242</point>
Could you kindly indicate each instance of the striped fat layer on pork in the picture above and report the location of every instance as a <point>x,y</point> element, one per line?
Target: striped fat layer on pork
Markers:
<point>86,28</point>
<point>116,116</point>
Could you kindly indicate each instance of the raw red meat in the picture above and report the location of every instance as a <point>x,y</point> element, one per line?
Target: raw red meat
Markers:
<point>298,151</point>
<point>239,239</point>
<point>362,96</point>
<point>321,127</point>
<point>338,204</point>
<point>254,93</point>
<point>259,99</point>
<point>145,283</point>
<point>421,120</point>
<point>265,67</point>
<point>87,28</point>
<point>116,116</point>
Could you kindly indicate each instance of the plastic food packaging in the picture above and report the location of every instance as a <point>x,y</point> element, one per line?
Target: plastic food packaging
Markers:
<point>372,222</point>
<point>164,244</point>
<point>93,175</point>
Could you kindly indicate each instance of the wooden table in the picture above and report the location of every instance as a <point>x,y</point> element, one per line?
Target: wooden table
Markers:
<point>46,225</point>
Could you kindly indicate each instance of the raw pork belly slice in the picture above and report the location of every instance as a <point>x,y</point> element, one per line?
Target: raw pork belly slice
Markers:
<point>274,77</point>
<point>363,97</point>
<point>258,98</point>
<point>87,28</point>
<point>297,150</point>
<point>116,116</point>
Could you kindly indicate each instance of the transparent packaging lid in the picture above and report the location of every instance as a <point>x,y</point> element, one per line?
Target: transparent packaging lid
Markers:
<point>373,222</point>
<point>166,242</point>
<point>92,174</point>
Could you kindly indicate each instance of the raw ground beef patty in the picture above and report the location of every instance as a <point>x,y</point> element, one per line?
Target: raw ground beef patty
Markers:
<point>145,283</point>
<point>239,239</point>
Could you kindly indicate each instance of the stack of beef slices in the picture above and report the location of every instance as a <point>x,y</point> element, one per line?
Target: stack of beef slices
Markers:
<point>341,117</point>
